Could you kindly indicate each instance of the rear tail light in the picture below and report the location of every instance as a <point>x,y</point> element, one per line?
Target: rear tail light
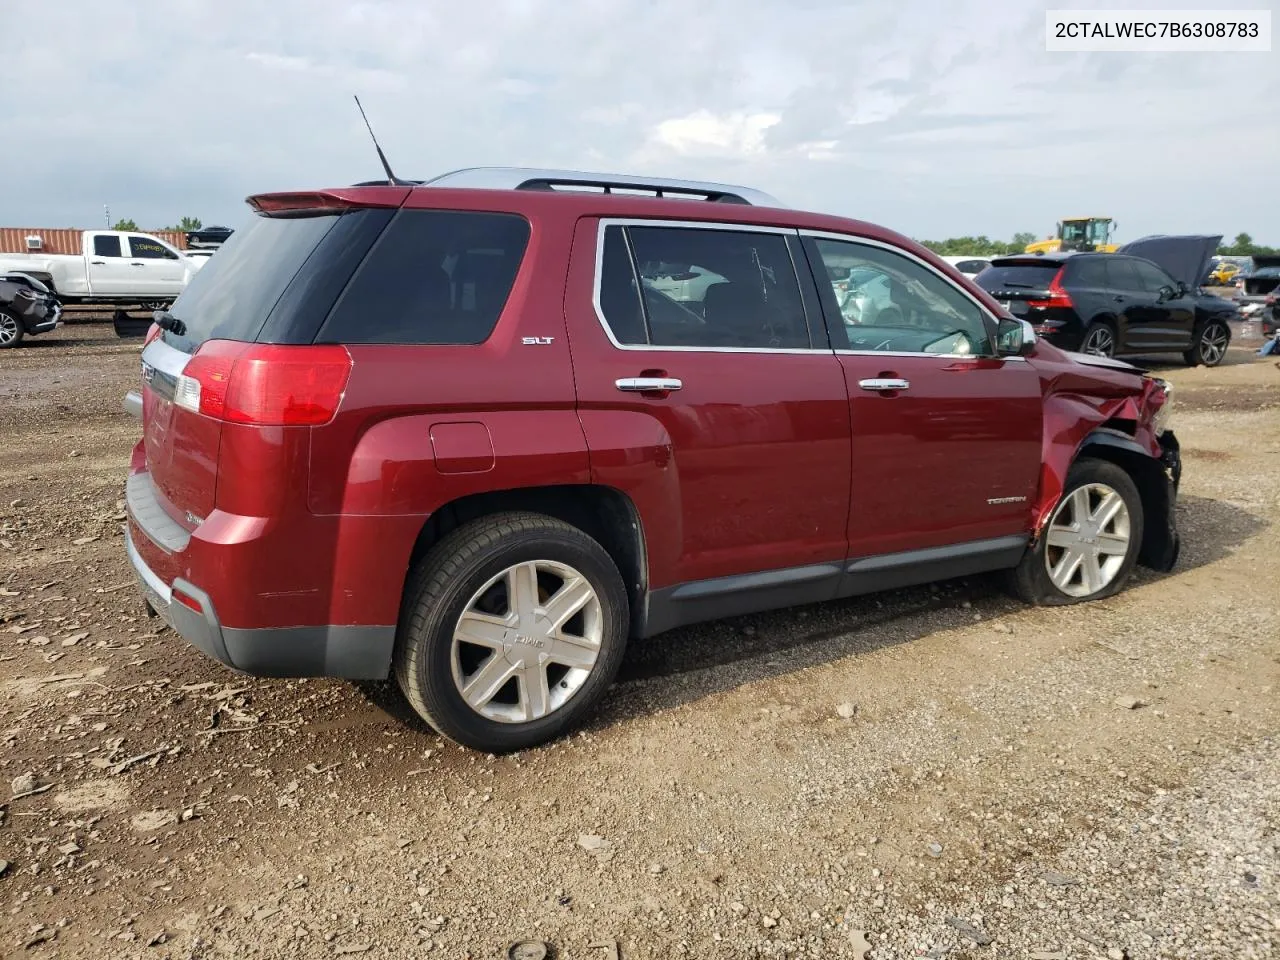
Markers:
<point>1057,296</point>
<point>264,384</point>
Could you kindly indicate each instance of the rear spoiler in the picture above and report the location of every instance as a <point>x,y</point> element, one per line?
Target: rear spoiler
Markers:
<point>318,202</point>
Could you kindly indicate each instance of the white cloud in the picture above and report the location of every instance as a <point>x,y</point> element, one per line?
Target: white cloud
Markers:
<point>704,134</point>
<point>935,119</point>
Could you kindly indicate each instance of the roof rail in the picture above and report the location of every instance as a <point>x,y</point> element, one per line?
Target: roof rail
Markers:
<point>523,178</point>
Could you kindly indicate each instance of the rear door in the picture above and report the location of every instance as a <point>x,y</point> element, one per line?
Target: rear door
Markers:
<point>707,390</point>
<point>156,269</point>
<point>946,435</point>
<point>108,266</point>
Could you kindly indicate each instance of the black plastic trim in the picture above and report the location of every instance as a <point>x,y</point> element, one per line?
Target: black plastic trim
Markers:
<point>701,600</point>
<point>910,567</point>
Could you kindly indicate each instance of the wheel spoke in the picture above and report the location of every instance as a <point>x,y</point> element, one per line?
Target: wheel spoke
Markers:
<point>1066,568</point>
<point>1063,537</point>
<point>535,696</point>
<point>1090,573</point>
<point>576,652</point>
<point>1079,506</point>
<point>1112,544</point>
<point>1107,511</point>
<point>572,596</point>
<point>483,629</point>
<point>481,687</point>
<point>522,588</point>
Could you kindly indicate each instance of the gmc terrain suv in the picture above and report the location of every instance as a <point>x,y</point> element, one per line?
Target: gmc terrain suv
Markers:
<point>480,431</point>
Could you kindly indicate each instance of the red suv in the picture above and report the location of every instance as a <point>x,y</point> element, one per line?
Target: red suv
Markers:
<point>478,432</point>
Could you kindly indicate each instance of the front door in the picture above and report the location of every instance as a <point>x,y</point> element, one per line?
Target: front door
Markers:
<point>945,434</point>
<point>708,393</point>
<point>157,270</point>
<point>1168,314</point>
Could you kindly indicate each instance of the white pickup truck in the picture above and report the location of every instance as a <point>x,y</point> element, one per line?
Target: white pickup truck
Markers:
<point>113,267</point>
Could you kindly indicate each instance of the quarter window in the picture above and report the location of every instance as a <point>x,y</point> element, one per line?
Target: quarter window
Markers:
<point>888,302</point>
<point>434,276</point>
<point>691,287</point>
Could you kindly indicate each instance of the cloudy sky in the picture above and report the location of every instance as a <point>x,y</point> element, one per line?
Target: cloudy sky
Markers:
<point>937,118</point>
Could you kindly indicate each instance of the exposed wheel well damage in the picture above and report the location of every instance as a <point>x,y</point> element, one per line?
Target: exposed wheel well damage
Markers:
<point>1159,548</point>
<point>603,513</point>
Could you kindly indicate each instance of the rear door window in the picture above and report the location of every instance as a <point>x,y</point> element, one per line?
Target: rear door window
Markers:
<point>1088,272</point>
<point>1121,275</point>
<point>433,277</point>
<point>696,287</point>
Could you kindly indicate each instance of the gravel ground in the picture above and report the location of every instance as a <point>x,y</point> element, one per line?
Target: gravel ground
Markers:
<point>940,770</point>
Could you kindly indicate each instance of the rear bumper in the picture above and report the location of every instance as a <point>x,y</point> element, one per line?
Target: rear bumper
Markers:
<point>351,652</point>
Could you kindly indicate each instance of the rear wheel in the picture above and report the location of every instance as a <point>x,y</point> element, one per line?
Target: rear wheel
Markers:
<point>1210,346</point>
<point>1099,340</point>
<point>1090,544</point>
<point>513,628</point>
<point>11,330</point>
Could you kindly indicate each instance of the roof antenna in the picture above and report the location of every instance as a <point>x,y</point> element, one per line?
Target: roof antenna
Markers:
<point>392,179</point>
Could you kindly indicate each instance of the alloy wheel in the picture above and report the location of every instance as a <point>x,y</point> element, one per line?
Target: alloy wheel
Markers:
<point>1087,540</point>
<point>1100,342</point>
<point>1213,344</point>
<point>8,329</point>
<point>527,641</point>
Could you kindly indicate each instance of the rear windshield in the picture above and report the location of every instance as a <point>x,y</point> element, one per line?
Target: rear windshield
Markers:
<point>232,295</point>
<point>1017,276</point>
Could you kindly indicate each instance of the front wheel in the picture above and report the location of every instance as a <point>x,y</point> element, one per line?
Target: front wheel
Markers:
<point>1089,546</point>
<point>512,630</point>
<point>11,330</point>
<point>1210,346</point>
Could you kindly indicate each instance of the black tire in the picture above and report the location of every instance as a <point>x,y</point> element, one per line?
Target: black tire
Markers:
<point>1209,344</point>
<point>439,590</point>
<point>1030,579</point>
<point>11,330</point>
<point>1103,335</point>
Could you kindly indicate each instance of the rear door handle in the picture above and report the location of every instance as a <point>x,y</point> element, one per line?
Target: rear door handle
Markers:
<point>648,384</point>
<point>137,264</point>
<point>98,263</point>
<point>885,383</point>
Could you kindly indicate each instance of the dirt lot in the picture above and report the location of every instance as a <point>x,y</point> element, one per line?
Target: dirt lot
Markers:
<point>1096,781</point>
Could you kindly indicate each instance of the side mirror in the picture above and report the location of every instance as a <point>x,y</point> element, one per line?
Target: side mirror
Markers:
<point>1167,292</point>
<point>1014,338</point>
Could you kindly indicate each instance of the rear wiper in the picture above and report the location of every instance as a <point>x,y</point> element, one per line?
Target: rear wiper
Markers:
<point>167,321</point>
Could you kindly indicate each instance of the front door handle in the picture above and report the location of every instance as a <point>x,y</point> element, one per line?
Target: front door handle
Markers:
<point>1118,299</point>
<point>648,384</point>
<point>885,383</point>
<point>98,263</point>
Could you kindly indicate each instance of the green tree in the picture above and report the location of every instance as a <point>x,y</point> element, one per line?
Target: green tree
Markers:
<point>980,246</point>
<point>1243,246</point>
<point>186,224</point>
<point>125,225</point>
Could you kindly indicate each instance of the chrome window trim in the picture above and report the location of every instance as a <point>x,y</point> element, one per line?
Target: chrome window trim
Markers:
<point>606,222</point>
<point>940,356</point>
<point>893,248</point>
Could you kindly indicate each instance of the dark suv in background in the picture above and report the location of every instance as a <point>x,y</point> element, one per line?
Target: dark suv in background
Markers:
<point>477,433</point>
<point>1111,304</point>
